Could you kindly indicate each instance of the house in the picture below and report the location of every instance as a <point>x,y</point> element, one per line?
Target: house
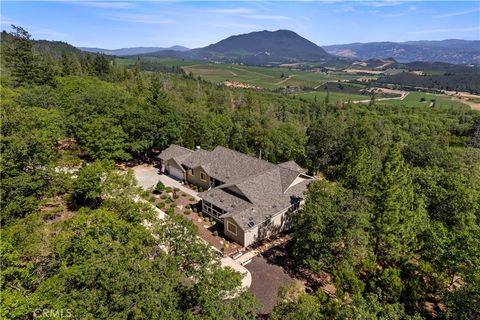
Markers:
<point>252,198</point>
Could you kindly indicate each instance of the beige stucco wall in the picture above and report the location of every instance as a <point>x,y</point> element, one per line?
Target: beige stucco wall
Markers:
<point>239,237</point>
<point>195,178</point>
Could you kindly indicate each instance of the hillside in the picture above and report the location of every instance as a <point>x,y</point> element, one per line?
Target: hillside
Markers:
<point>451,51</point>
<point>259,48</point>
<point>132,51</point>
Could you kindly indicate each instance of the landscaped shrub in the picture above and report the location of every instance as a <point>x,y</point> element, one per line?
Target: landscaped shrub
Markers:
<point>151,199</point>
<point>161,205</point>
<point>176,189</point>
<point>200,189</point>
<point>187,212</point>
<point>191,199</point>
<point>159,187</point>
<point>175,196</point>
<point>187,206</point>
<point>184,194</point>
<point>170,210</point>
<point>215,233</point>
<point>195,209</point>
<point>168,189</point>
<point>163,196</point>
<point>168,200</point>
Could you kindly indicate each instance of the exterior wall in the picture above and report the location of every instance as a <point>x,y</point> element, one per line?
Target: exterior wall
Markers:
<point>172,163</point>
<point>239,237</point>
<point>196,180</point>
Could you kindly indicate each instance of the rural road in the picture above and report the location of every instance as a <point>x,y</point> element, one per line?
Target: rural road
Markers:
<point>404,94</point>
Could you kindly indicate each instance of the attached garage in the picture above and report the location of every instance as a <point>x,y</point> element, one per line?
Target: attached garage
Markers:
<point>175,172</point>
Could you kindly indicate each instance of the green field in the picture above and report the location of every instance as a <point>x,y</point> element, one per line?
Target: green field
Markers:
<point>333,96</point>
<point>414,100</point>
<point>263,77</point>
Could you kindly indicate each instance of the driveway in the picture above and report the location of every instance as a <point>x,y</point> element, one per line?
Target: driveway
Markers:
<point>148,176</point>
<point>267,278</point>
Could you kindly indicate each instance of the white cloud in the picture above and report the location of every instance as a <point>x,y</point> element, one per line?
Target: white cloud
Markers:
<point>137,18</point>
<point>264,17</point>
<point>232,11</point>
<point>446,30</point>
<point>459,13</point>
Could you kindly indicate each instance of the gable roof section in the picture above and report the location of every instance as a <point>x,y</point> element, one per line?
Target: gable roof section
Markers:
<point>175,152</point>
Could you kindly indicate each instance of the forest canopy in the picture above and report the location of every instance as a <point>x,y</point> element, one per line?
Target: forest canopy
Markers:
<point>394,217</point>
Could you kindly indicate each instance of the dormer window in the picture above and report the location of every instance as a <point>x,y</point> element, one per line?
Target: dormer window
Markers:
<point>203,176</point>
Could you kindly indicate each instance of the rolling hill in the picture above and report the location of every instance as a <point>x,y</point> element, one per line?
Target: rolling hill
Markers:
<point>132,51</point>
<point>258,48</point>
<point>450,51</point>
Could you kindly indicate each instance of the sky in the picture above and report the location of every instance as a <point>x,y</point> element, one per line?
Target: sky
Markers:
<point>120,24</point>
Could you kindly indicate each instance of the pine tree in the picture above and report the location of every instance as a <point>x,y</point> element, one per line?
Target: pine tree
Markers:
<point>19,57</point>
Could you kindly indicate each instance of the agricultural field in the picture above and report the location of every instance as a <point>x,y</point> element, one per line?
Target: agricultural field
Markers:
<point>418,99</point>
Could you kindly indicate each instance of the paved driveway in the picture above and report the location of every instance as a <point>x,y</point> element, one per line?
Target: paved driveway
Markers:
<point>148,176</point>
<point>266,280</point>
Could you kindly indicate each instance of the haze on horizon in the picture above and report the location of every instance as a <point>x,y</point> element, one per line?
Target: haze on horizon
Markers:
<point>120,24</point>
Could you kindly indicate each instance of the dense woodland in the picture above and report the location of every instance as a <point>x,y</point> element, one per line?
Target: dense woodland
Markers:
<point>395,217</point>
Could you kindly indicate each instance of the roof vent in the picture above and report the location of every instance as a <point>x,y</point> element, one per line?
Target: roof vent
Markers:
<point>198,147</point>
<point>250,224</point>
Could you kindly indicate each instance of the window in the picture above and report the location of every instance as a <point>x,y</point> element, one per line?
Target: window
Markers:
<point>190,172</point>
<point>203,176</point>
<point>231,228</point>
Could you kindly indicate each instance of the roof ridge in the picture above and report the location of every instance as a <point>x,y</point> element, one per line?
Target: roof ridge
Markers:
<point>243,154</point>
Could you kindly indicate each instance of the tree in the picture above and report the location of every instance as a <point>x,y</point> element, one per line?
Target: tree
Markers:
<point>19,57</point>
<point>399,216</point>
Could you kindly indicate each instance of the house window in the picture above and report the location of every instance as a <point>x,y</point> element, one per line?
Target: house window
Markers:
<point>231,228</point>
<point>203,176</point>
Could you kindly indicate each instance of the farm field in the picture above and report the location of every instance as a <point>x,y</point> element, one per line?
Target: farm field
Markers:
<point>333,97</point>
<point>414,99</point>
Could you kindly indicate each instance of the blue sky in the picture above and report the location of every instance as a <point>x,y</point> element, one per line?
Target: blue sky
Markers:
<point>116,24</point>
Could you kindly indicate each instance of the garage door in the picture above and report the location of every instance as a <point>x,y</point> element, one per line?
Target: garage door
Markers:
<point>175,173</point>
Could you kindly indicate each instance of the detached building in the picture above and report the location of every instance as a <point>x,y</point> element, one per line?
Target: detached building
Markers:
<point>252,198</point>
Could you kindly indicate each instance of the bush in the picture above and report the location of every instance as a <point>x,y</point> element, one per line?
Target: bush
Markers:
<point>176,189</point>
<point>200,189</point>
<point>168,200</point>
<point>187,212</point>
<point>168,189</point>
<point>191,199</point>
<point>161,205</point>
<point>159,187</point>
<point>175,196</point>
<point>187,206</point>
<point>170,211</point>
<point>183,194</point>
<point>151,199</point>
<point>163,196</point>
<point>215,233</point>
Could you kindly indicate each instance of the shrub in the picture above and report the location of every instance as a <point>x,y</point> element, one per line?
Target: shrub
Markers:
<point>183,194</point>
<point>161,205</point>
<point>168,200</point>
<point>170,211</point>
<point>159,187</point>
<point>200,189</point>
<point>191,199</point>
<point>195,209</point>
<point>163,196</point>
<point>175,196</point>
<point>176,189</point>
<point>151,199</point>
<point>187,206</point>
<point>168,189</point>
<point>215,233</point>
<point>187,212</point>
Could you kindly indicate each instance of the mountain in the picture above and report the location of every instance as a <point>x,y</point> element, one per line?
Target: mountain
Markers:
<point>450,51</point>
<point>259,48</point>
<point>133,51</point>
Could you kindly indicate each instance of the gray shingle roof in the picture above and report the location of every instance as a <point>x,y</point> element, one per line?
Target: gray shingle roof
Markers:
<point>253,189</point>
<point>174,152</point>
